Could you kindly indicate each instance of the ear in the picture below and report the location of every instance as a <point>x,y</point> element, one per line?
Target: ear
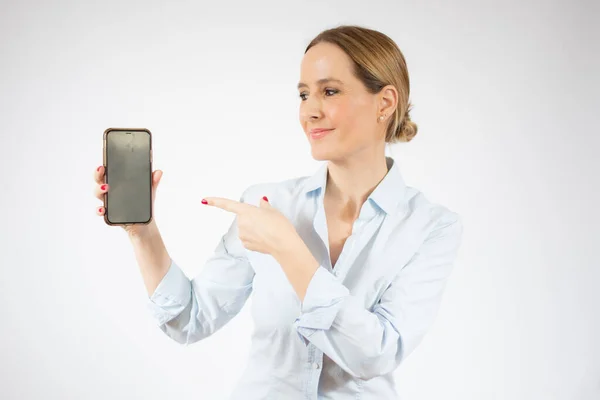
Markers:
<point>388,100</point>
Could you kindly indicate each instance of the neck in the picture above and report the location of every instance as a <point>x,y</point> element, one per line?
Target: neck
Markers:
<point>351,181</point>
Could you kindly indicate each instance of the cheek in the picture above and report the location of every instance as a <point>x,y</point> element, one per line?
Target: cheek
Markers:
<point>349,118</point>
<point>341,114</point>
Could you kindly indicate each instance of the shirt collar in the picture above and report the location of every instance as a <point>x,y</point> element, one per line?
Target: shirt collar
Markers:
<point>388,195</point>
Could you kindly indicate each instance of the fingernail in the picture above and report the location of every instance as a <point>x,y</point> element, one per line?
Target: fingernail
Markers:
<point>103,187</point>
<point>99,168</point>
<point>204,201</point>
<point>100,209</point>
<point>265,198</point>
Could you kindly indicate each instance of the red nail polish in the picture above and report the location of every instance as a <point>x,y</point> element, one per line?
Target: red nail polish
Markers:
<point>204,201</point>
<point>103,187</point>
<point>265,198</point>
<point>100,209</point>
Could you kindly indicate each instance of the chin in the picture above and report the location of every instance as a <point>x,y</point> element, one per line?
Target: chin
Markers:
<point>319,158</point>
<point>322,153</point>
<point>325,148</point>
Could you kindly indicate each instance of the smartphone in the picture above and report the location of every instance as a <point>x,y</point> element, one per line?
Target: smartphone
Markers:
<point>127,156</point>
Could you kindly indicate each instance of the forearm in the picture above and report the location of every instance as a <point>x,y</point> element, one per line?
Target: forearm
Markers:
<point>298,264</point>
<point>189,310</point>
<point>152,257</point>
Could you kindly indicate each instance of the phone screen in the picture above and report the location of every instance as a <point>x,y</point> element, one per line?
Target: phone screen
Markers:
<point>128,173</point>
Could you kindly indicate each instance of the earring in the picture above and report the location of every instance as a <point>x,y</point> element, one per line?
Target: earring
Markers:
<point>381,117</point>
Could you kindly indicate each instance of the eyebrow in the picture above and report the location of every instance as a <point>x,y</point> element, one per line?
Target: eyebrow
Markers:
<point>321,81</point>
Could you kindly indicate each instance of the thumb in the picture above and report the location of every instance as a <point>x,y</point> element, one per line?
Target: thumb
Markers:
<point>156,177</point>
<point>264,203</point>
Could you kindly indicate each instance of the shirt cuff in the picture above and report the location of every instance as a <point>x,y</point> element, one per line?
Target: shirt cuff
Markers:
<point>172,294</point>
<point>321,304</point>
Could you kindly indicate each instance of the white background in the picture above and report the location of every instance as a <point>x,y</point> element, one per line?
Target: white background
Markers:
<point>505,95</point>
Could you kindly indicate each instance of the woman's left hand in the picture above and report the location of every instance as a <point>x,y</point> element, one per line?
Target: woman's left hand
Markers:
<point>264,229</point>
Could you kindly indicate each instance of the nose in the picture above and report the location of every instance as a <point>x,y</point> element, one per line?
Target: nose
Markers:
<point>310,110</point>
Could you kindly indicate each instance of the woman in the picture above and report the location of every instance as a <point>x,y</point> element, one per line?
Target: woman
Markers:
<point>347,266</point>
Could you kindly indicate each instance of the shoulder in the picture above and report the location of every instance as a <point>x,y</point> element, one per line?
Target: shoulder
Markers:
<point>435,218</point>
<point>423,233</point>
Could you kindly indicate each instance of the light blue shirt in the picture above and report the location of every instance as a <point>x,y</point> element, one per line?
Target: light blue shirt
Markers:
<point>358,321</point>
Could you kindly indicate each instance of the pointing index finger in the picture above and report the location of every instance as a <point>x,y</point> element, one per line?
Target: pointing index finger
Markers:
<point>227,204</point>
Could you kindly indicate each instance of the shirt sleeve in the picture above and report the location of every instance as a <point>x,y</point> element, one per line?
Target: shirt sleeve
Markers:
<point>368,343</point>
<point>190,310</point>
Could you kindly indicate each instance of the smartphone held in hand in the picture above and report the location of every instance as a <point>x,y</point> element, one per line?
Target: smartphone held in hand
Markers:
<point>127,155</point>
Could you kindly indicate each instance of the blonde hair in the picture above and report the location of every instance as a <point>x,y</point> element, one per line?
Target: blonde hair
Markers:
<point>377,62</point>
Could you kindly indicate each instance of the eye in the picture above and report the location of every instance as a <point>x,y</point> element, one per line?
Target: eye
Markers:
<point>332,91</point>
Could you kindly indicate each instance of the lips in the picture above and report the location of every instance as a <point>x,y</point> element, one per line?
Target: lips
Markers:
<point>318,133</point>
<point>317,130</point>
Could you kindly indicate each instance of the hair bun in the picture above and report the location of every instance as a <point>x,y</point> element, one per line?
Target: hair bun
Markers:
<point>406,130</point>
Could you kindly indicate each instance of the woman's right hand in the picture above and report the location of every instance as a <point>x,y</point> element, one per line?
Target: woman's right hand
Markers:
<point>101,188</point>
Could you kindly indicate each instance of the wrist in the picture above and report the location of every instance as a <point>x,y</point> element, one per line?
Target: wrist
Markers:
<point>146,233</point>
<point>288,245</point>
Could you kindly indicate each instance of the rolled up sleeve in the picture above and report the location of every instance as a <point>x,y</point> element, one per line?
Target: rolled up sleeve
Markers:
<point>171,296</point>
<point>322,302</point>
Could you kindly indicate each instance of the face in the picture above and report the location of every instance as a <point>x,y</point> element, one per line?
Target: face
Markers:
<point>343,105</point>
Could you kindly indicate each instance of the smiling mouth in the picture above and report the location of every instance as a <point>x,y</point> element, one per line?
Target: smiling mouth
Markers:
<point>320,133</point>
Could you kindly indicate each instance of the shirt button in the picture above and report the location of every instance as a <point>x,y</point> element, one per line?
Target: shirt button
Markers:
<point>315,366</point>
